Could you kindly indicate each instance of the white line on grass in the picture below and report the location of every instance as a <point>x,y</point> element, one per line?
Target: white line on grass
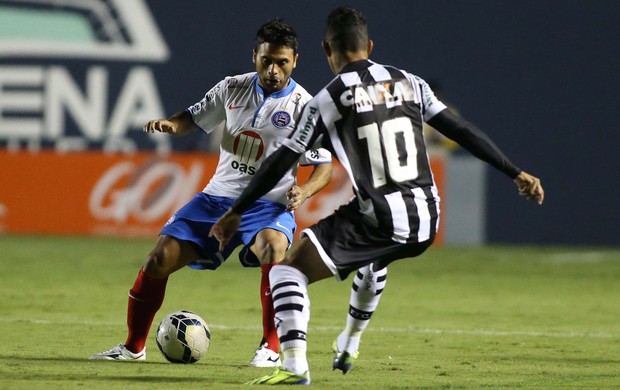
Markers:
<point>579,257</point>
<point>474,332</point>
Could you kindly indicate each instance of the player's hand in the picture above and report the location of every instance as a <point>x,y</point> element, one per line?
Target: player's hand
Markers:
<point>530,187</point>
<point>225,227</point>
<point>296,196</point>
<point>161,125</point>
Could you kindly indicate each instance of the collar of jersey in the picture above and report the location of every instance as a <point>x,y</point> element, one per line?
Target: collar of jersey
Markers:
<point>356,65</point>
<point>286,91</point>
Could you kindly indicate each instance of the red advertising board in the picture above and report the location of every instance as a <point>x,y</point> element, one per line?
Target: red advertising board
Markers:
<point>123,195</point>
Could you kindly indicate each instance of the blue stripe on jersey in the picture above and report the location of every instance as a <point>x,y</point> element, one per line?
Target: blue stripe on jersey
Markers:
<point>278,94</point>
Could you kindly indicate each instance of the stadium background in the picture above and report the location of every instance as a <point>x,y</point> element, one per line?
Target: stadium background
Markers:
<point>539,77</point>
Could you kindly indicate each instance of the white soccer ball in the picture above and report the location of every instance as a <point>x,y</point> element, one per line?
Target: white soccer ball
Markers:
<point>183,337</point>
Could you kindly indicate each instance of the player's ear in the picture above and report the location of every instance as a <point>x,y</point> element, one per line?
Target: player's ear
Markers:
<point>295,60</point>
<point>326,48</point>
<point>371,45</point>
<point>254,55</point>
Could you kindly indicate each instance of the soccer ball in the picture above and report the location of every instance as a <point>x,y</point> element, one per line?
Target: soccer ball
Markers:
<point>183,337</point>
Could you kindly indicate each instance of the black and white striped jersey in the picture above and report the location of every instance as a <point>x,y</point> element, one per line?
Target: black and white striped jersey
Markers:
<point>370,117</point>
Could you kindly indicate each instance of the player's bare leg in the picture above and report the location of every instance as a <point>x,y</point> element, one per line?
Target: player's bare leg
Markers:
<point>147,295</point>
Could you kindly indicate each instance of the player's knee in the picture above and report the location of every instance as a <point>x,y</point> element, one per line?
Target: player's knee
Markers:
<point>272,253</point>
<point>155,264</point>
<point>168,256</point>
<point>163,260</point>
<point>270,247</point>
<point>373,281</point>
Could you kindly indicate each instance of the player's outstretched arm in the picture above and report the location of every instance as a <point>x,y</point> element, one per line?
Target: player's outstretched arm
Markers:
<point>530,187</point>
<point>178,124</point>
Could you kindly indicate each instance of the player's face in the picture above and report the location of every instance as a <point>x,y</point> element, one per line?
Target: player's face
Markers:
<point>274,65</point>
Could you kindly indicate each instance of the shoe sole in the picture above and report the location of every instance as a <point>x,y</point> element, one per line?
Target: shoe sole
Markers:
<point>265,365</point>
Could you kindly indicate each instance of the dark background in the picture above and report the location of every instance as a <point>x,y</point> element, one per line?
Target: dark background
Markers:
<point>540,77</point>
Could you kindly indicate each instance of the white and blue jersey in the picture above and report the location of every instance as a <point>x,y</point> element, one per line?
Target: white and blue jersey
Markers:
<point>253,126</point>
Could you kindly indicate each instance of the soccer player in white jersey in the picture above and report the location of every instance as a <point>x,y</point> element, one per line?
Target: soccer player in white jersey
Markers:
<point>256,111</point>
<point>370,116</point>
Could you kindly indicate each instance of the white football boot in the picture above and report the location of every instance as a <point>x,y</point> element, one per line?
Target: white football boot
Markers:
<point>119,353</point>
<point>265,357</point>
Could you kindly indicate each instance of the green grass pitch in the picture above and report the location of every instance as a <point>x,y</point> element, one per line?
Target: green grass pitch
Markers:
<point>463,318</point>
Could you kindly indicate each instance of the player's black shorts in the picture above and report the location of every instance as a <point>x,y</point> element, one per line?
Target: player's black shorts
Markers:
<point>346,242</point>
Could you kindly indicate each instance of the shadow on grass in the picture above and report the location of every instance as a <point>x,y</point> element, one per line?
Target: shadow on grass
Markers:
<point>578,361</point>
<point>13,358</point>
<point>83,369</point>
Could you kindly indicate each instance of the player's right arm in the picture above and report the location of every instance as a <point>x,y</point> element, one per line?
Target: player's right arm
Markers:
<point>180,123</point>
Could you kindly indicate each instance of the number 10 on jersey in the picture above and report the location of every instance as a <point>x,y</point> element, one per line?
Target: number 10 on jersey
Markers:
<point>400,151</point>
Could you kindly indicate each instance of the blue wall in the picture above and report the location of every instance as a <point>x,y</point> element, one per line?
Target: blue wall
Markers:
<point>540,77</point>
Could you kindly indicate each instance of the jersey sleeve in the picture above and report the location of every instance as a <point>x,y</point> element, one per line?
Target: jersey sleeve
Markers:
<point>306,132</point>
<point>210,113</point>
<point>431,106</point>
<point>315,157</point>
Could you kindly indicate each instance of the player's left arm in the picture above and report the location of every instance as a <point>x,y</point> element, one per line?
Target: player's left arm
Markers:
<point>321,160</point>
<point>319,178</point>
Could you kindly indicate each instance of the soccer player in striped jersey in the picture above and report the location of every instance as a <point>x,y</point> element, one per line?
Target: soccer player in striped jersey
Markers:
<point>256,112</point>
<point>370,117</point>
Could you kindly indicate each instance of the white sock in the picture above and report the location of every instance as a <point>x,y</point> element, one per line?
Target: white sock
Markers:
<point>289,289</point>
<point>366,290</point>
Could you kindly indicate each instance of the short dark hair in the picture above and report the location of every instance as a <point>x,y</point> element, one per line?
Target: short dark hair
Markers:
<point>278,33</point>
<point>347,29</point>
